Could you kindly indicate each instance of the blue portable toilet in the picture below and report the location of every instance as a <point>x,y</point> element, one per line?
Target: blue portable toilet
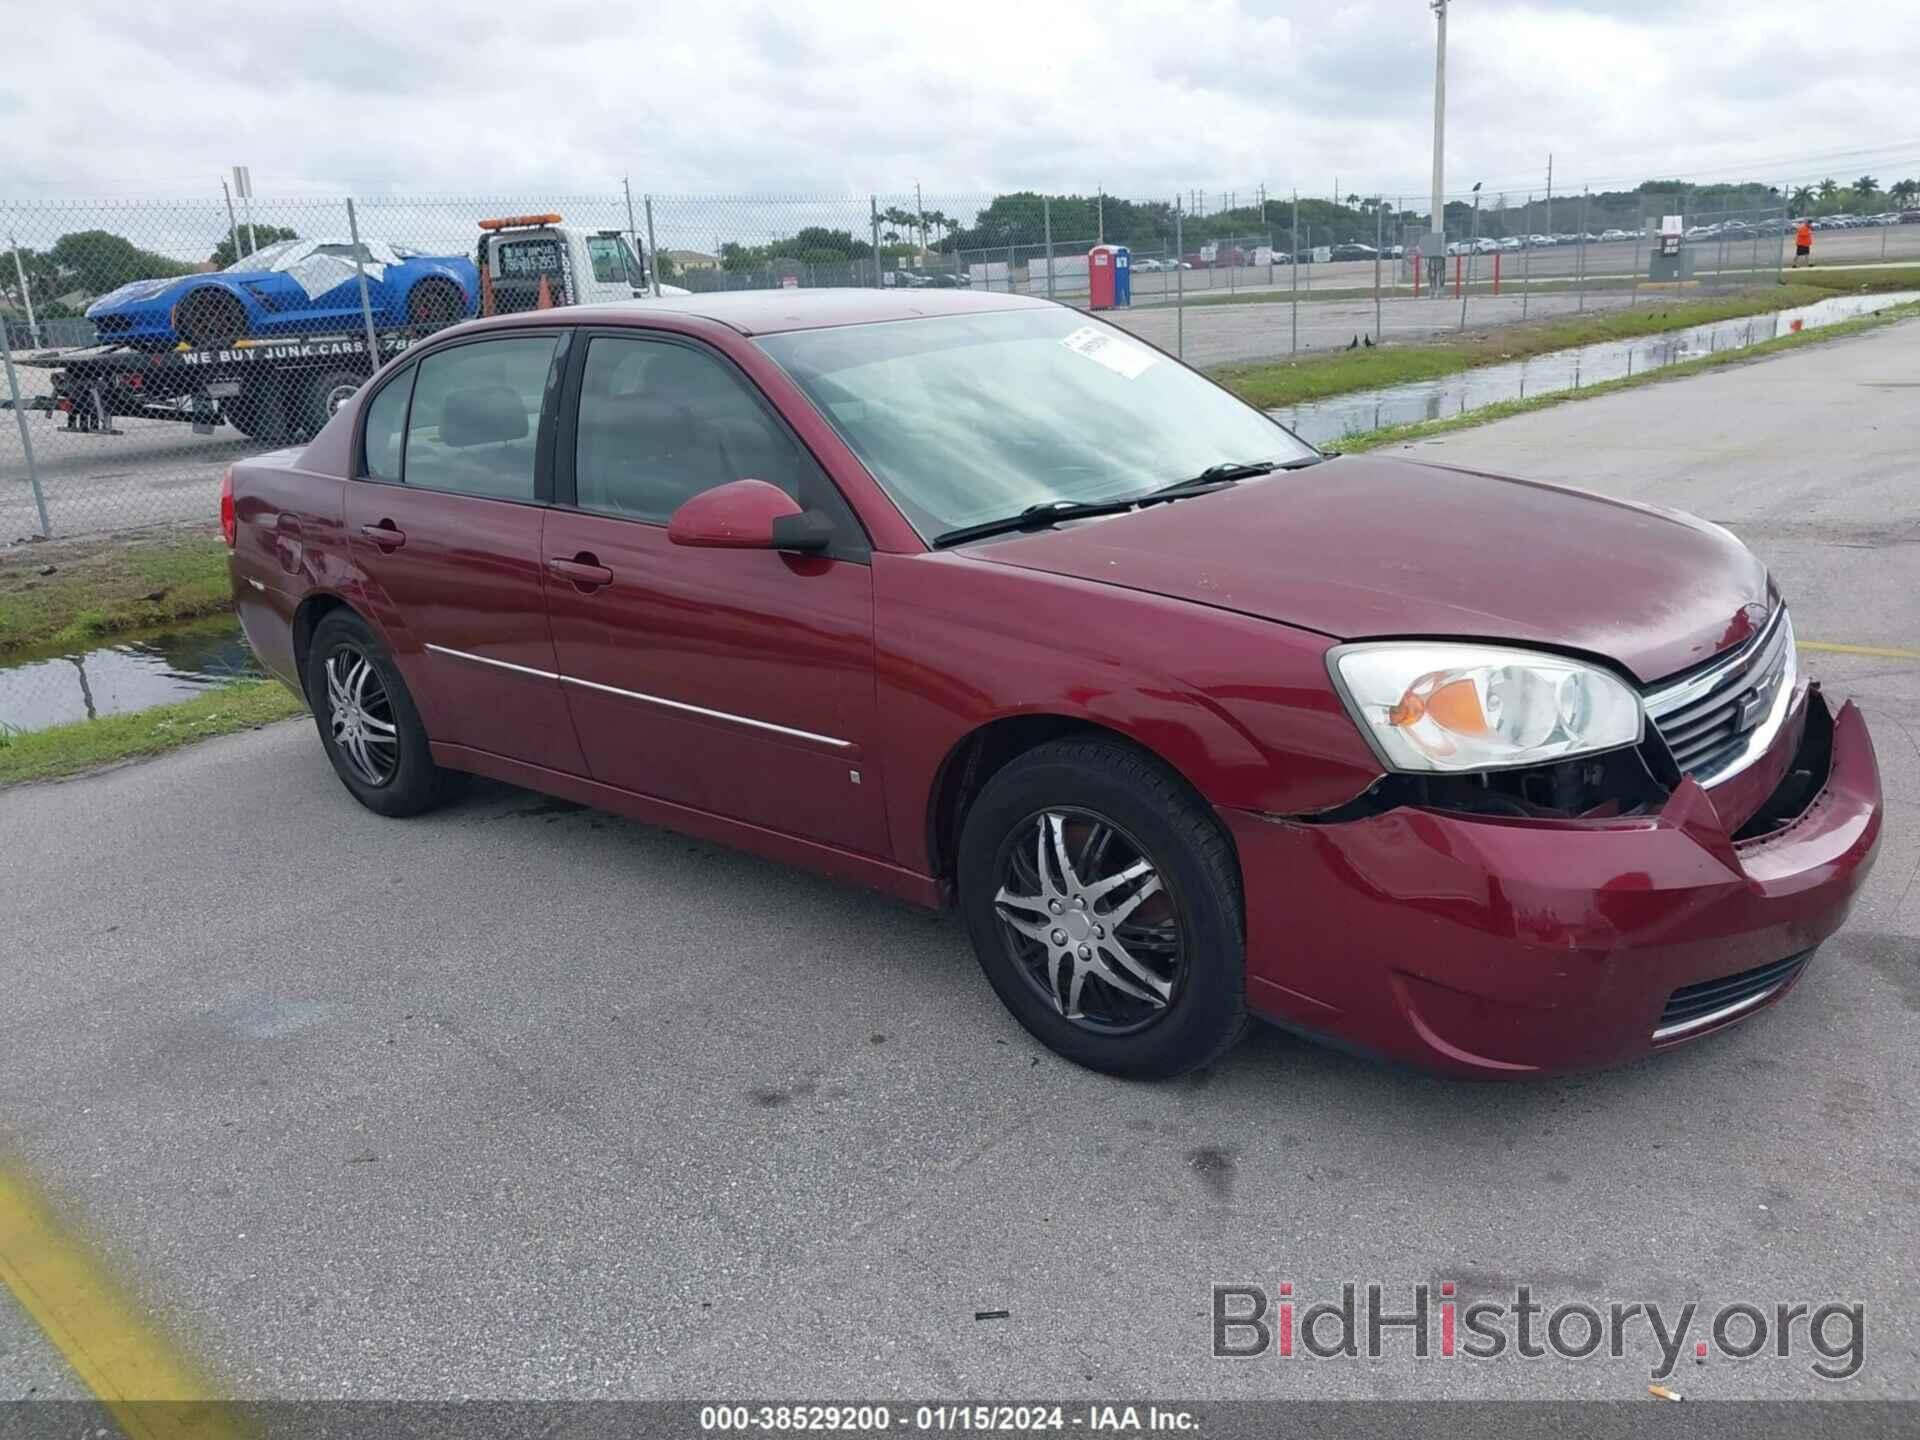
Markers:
<point>1109,276</point>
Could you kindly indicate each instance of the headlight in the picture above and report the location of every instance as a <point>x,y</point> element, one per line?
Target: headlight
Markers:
<point>1440,707</point>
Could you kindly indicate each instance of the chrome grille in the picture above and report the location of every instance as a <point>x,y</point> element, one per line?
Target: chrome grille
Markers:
<point>1719,719</point>
<point>1695,1007</point>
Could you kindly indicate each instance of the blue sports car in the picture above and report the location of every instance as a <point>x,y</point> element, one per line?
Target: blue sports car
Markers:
<point>292,287</point>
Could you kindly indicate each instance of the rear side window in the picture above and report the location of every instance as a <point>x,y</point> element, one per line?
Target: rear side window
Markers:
<point>475,418</point>
<point>386,416</point>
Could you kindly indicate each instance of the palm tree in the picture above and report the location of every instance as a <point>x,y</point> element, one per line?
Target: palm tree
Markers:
<point>1829,188</point>
<point>1801,200</point>
<point>1866,187</point>
<point>1903,192</point>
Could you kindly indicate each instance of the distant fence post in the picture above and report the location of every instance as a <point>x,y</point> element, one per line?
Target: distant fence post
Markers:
<point>360,274</point>
<point>1046,220</point>
<point>1180,291</point>
<point>1379,238</point>
<point>26,439</point>
<point>653,250</point>
<point>1583,248</point>
<point>1294,267</point>
<point>26,292</point>
<point>873,214</point>
<point>1526,259</point>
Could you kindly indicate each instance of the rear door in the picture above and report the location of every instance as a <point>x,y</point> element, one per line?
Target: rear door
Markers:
<point>738,682</point>
<point>444,524</point>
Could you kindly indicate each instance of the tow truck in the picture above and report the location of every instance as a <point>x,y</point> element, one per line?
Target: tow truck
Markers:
<point>284,388</point>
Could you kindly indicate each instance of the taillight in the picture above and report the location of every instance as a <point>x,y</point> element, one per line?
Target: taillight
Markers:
<point>226,508</point>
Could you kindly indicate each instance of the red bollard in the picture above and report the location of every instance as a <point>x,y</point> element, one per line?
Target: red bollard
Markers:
<point>1496,272</point>
<point>1459,274</point>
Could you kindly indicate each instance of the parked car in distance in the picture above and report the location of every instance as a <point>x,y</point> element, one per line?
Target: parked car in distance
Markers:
<point>1615,234</point>
<point>1353,250</point>
<point>291,287</point>
<point>1189,721</point>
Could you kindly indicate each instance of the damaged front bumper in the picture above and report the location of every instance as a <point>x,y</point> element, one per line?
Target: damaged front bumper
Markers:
<point>1494,945</point>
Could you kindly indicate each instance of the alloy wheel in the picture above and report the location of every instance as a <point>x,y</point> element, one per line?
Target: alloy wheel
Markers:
<point>1089,919</point>
<point>360,716</point>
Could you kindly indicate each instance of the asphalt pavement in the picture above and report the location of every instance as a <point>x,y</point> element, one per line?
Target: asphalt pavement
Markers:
<point>526,1100</point>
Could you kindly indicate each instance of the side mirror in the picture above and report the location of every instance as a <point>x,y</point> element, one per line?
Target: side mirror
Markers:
<point>748,515</point>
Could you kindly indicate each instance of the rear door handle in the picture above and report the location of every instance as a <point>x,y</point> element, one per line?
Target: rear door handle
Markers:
<point>583,570</point>
<point>386,535</point>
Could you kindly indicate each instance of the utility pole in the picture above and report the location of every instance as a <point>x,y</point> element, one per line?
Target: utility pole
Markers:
<point>1549,192</point>
<point>1438,243</point>
<point>1102,222</point>
<point>921,206</point>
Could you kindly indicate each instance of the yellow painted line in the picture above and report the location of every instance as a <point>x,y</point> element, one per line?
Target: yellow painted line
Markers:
<point>1883,652</point>
<point>151,1391</point>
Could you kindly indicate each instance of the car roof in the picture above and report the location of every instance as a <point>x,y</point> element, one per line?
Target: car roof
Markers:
<point>768,312</point>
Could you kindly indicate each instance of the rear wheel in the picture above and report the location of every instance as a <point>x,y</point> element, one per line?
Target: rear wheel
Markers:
<point>260,412</point>
<point>209,317</point>
<point>1104,904</point>
<point>434,304</point>
<point>326,393</point>
<point>368,723</point>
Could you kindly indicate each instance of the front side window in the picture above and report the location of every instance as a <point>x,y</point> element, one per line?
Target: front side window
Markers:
<point>476,413</point>
<point>972,418</point>
<point>661,423</point>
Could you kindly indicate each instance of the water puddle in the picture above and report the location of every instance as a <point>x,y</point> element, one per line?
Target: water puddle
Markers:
<point>131,674</point>
<point>1323,422</point>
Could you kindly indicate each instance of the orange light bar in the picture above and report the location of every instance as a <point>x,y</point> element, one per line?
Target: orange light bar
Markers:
<point>509,222</point>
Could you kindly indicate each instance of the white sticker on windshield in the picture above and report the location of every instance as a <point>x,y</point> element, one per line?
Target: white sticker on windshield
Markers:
<point>1122,356</point>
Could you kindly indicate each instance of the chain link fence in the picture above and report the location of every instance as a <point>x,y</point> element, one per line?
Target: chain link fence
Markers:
<point>148,344</point>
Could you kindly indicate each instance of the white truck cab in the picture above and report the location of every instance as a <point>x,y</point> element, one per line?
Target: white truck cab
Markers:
<point>522,258</point>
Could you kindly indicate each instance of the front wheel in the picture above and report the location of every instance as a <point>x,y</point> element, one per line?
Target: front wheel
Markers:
<point>1103,901</point>
<point>368,723</point>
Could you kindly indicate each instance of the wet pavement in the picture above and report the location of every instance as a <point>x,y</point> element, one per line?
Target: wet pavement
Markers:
<point>131,674</point>
<point>1324,421</point>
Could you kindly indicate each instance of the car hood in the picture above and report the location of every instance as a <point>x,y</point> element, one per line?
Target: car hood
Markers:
<point>1360,548</point>
<point>133,292</point>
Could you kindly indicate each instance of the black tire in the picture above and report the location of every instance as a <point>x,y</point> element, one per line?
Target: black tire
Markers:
<point>403,780</point>
<point>1148,809</point>
<point>260,412</point>
<point>434,304</point>
<point>209,316</point>
<point>323,394</point>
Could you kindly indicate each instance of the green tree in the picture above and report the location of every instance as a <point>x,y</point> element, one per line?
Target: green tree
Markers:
<point>1828,188</point>
<point>262,235</point>
<point>1801,200</point>
<point>1903,192</point>
<point>1865,188</point>
<point>97,261</point>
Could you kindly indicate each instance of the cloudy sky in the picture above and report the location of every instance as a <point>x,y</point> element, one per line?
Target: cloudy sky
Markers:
<point>844,97</point>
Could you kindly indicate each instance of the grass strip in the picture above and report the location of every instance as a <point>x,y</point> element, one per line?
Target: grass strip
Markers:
<point>107,587</point>
<point>88,744</point>
<point>1273,384</point>
<point>1502,409</point>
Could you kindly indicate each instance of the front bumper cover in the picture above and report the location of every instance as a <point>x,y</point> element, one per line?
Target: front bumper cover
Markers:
<point>1494,947</point>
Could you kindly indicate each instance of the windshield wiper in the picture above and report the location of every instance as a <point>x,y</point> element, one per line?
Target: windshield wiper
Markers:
<point>1226,473</point>
<point>1033,517</point>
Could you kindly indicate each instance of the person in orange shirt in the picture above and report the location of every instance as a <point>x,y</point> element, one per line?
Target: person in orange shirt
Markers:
<point>1803,244</point>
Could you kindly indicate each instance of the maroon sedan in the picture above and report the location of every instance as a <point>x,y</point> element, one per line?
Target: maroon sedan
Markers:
<point>977,600</point>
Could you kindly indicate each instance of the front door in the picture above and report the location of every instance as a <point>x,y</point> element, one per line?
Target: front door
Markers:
<point>738,682</point>
<point>444,525</point>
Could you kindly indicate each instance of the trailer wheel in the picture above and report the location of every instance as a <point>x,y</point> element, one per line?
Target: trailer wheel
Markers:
<point>208,316</point>
<point>259,412</point>
<point>325,393</point>
<point>434,304</point>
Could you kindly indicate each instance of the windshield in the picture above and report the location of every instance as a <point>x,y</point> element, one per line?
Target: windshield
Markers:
<point>971,418</point>
<point>265,256</point>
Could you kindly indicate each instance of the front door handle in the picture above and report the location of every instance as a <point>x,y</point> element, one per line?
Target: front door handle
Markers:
<point>584,570</point>
<point>386,535</point>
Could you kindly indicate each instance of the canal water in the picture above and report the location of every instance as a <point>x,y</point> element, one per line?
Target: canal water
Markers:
<point>1325,422</point>
<point>129,675</point>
